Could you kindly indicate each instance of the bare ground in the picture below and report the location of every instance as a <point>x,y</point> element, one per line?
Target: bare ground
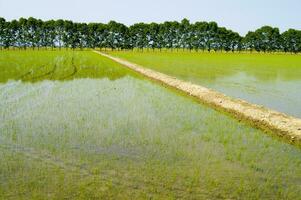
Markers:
<point>264,118</point>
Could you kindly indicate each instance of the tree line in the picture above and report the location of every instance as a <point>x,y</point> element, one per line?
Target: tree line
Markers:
<point>198,36</point>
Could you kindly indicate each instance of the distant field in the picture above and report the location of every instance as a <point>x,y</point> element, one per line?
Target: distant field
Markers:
<point>34,66</point>
<point>272,80</point>
<point>76,125</point>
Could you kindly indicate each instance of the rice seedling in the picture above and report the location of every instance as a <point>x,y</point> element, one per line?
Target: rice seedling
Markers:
<point>105,132</point>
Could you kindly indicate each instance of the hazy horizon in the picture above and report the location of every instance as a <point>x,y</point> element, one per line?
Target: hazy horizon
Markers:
<point>239,16</point>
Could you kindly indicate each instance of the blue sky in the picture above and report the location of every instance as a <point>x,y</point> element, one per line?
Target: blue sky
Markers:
<point>238,15</point>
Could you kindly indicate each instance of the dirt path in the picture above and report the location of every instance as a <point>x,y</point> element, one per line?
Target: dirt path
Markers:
<point>266,119</point>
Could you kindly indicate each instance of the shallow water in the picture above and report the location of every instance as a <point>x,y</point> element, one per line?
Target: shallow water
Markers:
<point>130,138</point>
<point>273,81</point>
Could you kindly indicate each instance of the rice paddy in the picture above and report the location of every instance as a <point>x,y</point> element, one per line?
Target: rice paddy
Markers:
<point>75,125</point>
<point>271,80</point>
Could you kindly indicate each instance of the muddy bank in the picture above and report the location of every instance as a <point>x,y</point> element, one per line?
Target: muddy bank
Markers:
<point>279,123</point>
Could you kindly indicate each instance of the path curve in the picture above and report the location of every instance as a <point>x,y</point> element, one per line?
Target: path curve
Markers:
<point>264,118</point>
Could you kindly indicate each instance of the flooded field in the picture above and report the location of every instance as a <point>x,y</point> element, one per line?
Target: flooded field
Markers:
<point>76,125</point>
<point>271,80</point>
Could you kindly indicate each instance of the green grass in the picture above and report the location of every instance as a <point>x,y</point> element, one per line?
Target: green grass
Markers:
<point>100,137</point>
<point>34,66</point>
<point>272,80</point>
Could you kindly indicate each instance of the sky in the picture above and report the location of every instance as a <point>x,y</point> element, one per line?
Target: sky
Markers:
<point>238,15</point>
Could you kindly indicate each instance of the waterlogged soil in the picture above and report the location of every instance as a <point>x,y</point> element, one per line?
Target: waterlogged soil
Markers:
<point>271,80</point>
<point>35,66</point>
<point>283,125</point>
<point>129,138</point>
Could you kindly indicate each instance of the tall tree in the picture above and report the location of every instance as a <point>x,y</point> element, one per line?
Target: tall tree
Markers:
<point>60,32</point>
<point>140,35</point>
<point>34,33</point>
<point>2,32</point>
<point>268,38</point>
<point>291,41</point>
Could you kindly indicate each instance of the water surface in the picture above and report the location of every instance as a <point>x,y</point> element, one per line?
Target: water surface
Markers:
<point>271,80</point>
<point>117,135</point>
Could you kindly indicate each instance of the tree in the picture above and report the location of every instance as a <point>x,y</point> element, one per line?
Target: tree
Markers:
<point>92,38</point>
<point>268,38</point>
<point>48,34</point>
<point>2,32</point>
<point>32,27</point>
<point>13,27</point>
<point>291,41</point>
<point>102,34</point>
<point>200,32</point>
<point>250,41</point>
<point>71,37</point>
<point>23,33</point>
<point>83,35</point>
<point>60,32</point>
<point>116,35</point>
<point>31,32</point>
<point>154,40</point>
<point>235,41</point>
<point>186,34</point>
<point>140,35</point>
<point>210,35</point>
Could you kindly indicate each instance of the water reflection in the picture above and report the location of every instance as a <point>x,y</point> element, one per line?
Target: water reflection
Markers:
<point>273,81</point>
<point>277,92</point>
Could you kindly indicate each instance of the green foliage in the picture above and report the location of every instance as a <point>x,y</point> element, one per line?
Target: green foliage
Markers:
<point>203,36</point>
<point>264,39</point>
<point>291,41</point>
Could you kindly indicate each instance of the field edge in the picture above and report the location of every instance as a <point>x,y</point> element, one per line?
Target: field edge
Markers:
<point>278,123</point>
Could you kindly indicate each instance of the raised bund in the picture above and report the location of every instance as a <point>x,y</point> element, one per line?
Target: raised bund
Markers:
<point>277,122</point>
